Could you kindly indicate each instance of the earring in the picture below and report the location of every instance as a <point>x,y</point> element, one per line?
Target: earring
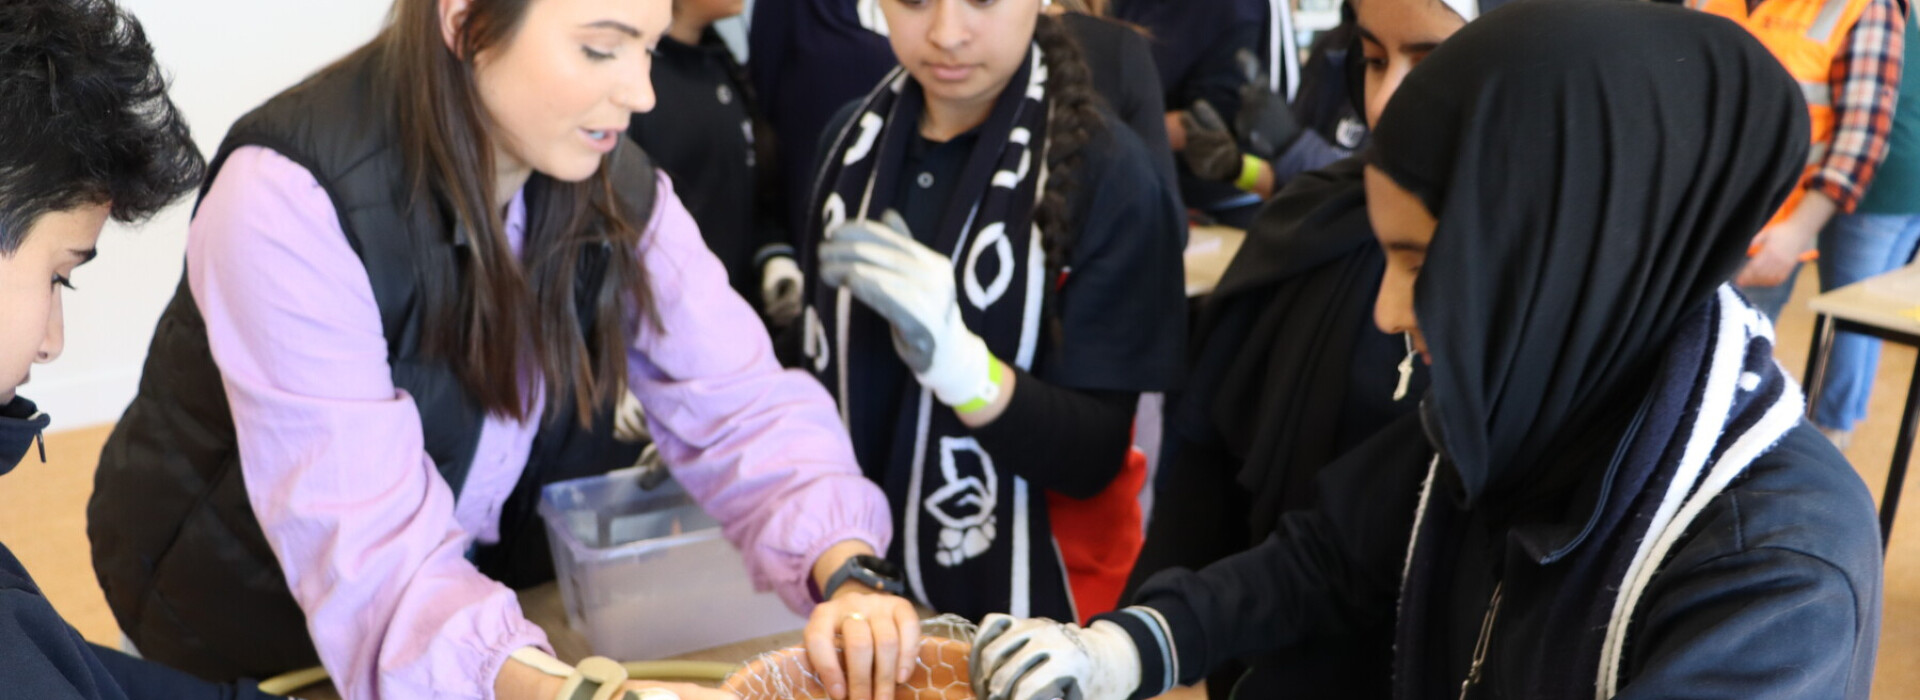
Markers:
<point>1406,370</point>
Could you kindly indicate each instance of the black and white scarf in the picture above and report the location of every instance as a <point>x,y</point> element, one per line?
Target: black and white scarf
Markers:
<point>973,540</point>
<point>1560,281</point>
<point>1718,403</point>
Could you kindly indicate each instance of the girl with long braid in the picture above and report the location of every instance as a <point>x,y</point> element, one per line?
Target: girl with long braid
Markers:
<point>996,278</point>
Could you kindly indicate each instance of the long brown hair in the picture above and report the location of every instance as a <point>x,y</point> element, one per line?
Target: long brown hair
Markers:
<point>1097,8</point>
<point>496,313</point>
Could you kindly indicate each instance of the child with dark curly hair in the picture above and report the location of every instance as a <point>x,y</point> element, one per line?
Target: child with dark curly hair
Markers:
<point>86,134</point>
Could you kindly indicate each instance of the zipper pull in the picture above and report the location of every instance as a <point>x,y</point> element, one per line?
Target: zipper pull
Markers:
<point>1406,371</point>
<point>1486,641</point>
<point>1473,679</point>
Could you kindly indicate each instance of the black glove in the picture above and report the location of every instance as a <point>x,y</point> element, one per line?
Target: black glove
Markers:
<point>1212,153</point>
<point>1265,123</point>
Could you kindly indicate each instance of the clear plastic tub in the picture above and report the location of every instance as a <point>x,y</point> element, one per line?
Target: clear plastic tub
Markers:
<point>646,574</point>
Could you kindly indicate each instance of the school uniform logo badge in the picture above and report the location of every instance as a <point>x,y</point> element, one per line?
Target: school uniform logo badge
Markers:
<point>1350,132</point>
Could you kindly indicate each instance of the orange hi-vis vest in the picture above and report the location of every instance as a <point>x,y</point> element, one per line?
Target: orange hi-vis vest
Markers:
<point>1807,36</point>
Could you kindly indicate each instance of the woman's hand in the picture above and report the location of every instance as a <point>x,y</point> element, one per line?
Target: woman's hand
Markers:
<point>881,637</point>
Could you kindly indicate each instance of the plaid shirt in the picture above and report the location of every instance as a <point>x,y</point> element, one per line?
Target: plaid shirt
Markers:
<point>1866,85</point>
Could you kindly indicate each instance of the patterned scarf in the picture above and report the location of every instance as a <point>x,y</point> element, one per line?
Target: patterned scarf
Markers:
<point>973,540</point>
<point>1718,403</point>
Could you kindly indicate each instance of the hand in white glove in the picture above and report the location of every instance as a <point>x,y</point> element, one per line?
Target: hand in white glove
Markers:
<point>911,286</point>
<point>1040,659</point>
<point>630,420</point>
<point>780,289</point>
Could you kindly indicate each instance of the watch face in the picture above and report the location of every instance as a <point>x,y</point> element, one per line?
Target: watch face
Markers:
<point>879,566</point>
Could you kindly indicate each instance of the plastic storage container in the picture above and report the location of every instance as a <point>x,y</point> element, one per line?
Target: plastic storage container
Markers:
<point>646,574</point>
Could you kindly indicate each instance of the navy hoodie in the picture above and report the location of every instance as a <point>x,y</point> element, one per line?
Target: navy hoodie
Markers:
<point>41,656</point>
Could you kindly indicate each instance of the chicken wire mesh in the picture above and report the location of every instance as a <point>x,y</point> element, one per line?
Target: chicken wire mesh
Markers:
<point>940,673</point>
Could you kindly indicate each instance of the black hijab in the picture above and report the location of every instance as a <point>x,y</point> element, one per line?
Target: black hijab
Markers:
<point>1277,344</point>
<point>1597,170</point>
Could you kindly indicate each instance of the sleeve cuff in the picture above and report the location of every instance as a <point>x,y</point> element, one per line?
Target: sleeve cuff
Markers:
<point>516,636</point>
<point>771,251</point>
<point>803,594</point>
<point>1845,197</point>
<point>1159,664</point>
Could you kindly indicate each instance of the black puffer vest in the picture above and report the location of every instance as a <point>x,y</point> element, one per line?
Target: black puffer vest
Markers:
<point>184,563</point>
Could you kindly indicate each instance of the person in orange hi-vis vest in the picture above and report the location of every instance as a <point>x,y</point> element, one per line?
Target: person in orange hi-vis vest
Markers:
<point>1846,56</point>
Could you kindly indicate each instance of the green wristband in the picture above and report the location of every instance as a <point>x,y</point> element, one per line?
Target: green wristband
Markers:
<point>994,374</point>
<point>1249,173</point>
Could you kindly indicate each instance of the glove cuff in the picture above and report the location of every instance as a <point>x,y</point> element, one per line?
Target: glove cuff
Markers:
<point>1116,662</point>
<point>1249,173</point>
<point>996,372</point>
<point>772,250</point>
<point>1155,660</point>
<point>965,376</point>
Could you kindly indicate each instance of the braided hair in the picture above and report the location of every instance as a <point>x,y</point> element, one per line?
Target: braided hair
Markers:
<point>1072,122</point>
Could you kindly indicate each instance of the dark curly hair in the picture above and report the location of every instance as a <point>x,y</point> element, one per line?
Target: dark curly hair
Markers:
<point>84,117</point>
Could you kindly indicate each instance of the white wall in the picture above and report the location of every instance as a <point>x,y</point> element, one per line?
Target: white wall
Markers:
<point>226,57</point>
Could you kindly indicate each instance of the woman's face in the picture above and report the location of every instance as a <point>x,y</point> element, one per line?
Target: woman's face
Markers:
<point>32,330</point>
<point>1395,36</point>
<point>1404,228</point>
<point>962,52</point>
<point>561,89</point>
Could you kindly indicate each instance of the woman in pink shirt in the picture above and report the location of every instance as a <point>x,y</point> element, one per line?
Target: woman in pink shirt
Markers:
<point>416,285</point>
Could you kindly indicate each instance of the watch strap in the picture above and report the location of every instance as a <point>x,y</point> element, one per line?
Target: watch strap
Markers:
<point>596,678</point>
<point>542,661</point>
<point>853,570</point>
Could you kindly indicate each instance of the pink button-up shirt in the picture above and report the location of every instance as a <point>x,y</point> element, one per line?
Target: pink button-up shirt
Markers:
<point>370,537</point>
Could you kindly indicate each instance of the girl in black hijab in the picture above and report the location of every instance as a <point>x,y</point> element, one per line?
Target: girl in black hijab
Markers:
<point>1609,490</point>
<point>1288,371</point>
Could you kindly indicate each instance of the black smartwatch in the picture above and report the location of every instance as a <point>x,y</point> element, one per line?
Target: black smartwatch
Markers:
<point>873,572</point>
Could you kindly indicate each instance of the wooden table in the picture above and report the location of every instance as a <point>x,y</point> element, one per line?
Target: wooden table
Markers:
<point>1886,307</point>
<point>1209,250</point>
<point>543,606</point>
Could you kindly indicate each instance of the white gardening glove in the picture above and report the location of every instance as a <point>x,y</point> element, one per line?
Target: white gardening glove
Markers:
<point>911,286</point>
<point>781,283</point>
<point>630,420</point>
<point>1040,659</point>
